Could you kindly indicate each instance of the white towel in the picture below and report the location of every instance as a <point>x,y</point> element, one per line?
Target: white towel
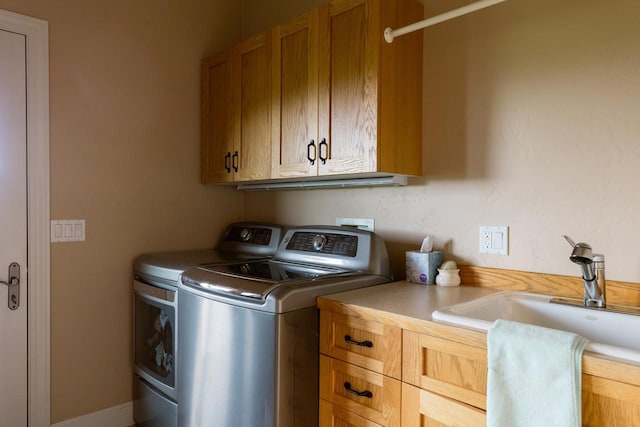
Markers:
<point>534,376</point>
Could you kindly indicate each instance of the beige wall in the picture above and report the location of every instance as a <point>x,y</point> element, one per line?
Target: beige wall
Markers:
<point>260,15</point>
<point>531,120</point>
<point>125,156</point>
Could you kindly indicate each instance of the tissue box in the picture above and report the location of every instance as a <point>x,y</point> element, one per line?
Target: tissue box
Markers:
<point>422,266</point>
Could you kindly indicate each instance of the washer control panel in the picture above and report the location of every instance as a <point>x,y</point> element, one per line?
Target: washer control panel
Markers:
<point>325,243</point>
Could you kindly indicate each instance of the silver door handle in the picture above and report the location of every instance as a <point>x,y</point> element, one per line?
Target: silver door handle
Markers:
<point>14,285</point>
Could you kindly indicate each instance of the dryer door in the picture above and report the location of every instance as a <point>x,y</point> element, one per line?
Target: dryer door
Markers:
<point>155,335</point>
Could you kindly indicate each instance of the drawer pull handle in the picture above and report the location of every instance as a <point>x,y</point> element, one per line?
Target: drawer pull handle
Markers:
<point>367,343</point>
<point>366,393</point>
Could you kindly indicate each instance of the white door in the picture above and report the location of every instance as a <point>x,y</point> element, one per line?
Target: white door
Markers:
<point>13,228</point>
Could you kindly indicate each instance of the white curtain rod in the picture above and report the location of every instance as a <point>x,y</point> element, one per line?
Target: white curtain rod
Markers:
<point>390,34</point>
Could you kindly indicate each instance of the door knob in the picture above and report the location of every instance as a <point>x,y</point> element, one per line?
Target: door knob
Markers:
<point>14,285</point>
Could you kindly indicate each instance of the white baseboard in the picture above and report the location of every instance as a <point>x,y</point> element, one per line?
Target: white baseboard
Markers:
<point>116,416</point>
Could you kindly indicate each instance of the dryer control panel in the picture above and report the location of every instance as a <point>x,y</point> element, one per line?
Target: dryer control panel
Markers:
<point>255,235</point>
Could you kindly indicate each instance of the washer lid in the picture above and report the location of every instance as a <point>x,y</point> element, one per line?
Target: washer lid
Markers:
<point>254,279</point>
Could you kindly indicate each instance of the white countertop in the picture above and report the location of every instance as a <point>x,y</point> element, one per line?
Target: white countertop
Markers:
<point>409,299</point>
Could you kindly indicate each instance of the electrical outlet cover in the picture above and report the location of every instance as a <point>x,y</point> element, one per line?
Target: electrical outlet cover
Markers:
<point>494,240</point>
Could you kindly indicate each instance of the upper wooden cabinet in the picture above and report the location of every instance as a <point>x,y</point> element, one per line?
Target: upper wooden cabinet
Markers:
<point>252,107</point>
<point>236,113</point>
<point>348,102</point>
<point>217,121</point>
<point>295,97</point>
<point>322,95</point>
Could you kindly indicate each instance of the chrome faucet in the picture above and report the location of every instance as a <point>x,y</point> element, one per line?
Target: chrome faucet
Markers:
<point>592,273</point>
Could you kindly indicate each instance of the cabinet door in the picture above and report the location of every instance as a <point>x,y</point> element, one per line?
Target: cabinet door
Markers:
<point>295,97</point>
<point>348,79</point>
<point>609,403</point>
<point>217,118</point>
<point>421,408</point>
<point>445,367</point>
<point>251,158</point>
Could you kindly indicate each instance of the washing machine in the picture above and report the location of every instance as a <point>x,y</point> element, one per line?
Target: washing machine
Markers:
<point>249,330</point>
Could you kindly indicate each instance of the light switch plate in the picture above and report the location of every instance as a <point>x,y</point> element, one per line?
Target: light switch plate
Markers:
<point>68,230</point>
<point>494,240</point>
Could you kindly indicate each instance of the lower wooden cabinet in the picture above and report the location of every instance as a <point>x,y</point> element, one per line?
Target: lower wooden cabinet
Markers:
<point>443,380</point>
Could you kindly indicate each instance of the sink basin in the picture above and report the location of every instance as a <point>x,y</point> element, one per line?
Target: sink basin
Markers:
<point>610,334</point>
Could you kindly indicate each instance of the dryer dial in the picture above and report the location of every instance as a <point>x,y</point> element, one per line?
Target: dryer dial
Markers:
<point>246,234</point>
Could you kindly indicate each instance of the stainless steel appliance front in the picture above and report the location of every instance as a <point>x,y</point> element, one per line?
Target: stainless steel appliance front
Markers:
<point>241,365</point>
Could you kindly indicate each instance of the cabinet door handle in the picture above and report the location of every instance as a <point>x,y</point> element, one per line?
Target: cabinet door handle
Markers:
<point>349,340</point>
<point>311,159</point>
<point>226,162</point>
<point>234,161</point>
<point>366,393</point>
<point>326,150</point>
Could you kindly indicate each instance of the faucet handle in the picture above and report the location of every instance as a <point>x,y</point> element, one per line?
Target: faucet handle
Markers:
<point>570,240</point>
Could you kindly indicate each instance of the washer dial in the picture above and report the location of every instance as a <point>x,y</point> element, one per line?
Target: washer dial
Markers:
<point>319,240</point>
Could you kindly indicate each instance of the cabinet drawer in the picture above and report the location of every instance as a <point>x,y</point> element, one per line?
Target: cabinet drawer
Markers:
<point>380,395</point>
<point>362,342</point>
<point>421,408</point>
<point>335,416</point>
<point>445,367</point>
